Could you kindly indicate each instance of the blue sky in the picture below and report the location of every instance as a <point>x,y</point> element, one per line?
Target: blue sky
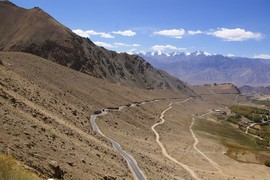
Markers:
<point>237,27</point>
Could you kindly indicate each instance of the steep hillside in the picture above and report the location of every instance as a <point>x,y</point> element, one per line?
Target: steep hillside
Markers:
<point>34,31</point>
<point>203,68</point>
<point>44,117</point>
<point>45,110</point>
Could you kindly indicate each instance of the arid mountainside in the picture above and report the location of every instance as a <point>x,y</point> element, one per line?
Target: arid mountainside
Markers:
<point>72,110</point>
<point>45,120</point>
<point>34,31</point>
<point>44,117</point>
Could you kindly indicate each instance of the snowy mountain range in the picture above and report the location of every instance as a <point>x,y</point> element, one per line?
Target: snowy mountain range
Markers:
<point>202,68</point>
<point>174,54</point>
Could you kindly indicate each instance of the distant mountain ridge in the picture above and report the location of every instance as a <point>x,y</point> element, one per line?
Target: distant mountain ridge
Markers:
<point>203,68</point>
<point>174,54</point>
<point>253,90</point>
<point>34,31</point>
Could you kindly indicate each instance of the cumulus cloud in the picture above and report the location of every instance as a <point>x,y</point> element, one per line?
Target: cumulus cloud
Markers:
<point>125,33</point>
<point>236,34</point>
<point>131,51</point>
<point>174,33</point>
<point>127,45</point>
<point>164,47</point>
<point>136,45</point>
<point>103,44</point>
<point>230,55</point>
<point>81,33</point>
<point>262,56</point>
<point>89,33</point>
<point>102,34</point>
<point>195,32</point>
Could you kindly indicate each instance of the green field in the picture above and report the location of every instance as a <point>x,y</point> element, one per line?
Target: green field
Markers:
<point>225,133</point>
<point>233,138</point>
<point>262,102</point>
<point>252,113</point>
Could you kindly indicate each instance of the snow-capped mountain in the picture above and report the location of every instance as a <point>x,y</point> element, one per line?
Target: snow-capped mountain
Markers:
<point>174,54</point>
<point>202,68</point>
<point>159,57</point>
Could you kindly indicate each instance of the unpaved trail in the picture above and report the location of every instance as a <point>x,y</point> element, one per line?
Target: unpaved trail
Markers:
<point>188,168</point>
<point>163,149</point>
<point>213,163</point>
<point>132,163</point>
<point>196,141</point>
<point>251,125</point>
<point>236,99</point>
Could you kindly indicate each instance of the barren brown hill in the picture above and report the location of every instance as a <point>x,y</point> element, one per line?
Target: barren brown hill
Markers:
<point>44,117</point>
<point>34,31</point>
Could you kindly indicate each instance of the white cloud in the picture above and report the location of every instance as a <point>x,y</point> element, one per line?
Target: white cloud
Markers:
<point>131,51</point>
<point>236,34</point>
<point>195,32</point>
<point>164,47</point>
<point>102,34</point>
<point>81,33</point>
<point>89,33</point>
<point>103,44</point>
<point>127,45</point>
<point>262,56</point>
<point>230,55</point>
<point>120,44</point>
<point>125,33</point>
<point>174,33</point>
<point>105,35</point>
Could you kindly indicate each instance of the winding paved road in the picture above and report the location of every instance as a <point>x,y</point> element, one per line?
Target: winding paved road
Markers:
<point>132,163</point>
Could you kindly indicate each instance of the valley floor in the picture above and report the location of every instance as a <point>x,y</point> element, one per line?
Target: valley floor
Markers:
<point>180,152</point>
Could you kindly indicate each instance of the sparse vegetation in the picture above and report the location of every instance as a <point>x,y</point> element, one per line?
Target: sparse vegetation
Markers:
<point>262,102</point>
<point>234,119</point>
<point>11,169</point>
<point>265,132</point>
<point>262,143</point>
<point>267,163</point>
<point>236,141</point>
<point>226,133</point>
<point>256,115</point>
<point>249,112</point>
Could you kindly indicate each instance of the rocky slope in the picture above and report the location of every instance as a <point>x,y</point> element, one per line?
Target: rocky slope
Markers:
<point>34,31</point>
<point>44,118</point>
